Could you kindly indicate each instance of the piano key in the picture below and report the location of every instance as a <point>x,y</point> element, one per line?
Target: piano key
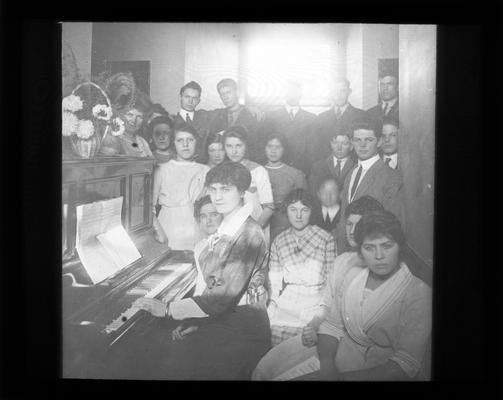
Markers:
<point>149,281</point>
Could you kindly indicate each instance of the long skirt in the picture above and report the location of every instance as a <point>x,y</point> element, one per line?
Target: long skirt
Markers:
<point>227,347</point>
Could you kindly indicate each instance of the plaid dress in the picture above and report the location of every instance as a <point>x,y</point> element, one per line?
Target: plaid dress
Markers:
<point>298,270</point>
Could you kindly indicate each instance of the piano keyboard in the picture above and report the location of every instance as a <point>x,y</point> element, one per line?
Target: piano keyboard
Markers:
<point>149,287</point>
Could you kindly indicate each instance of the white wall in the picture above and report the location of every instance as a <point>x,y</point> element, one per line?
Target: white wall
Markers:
<point>365,44</point>
<point>79,36</point>
<point>160,43</point>
<point>354,62</point>
<point>212,53</point>
<point>417,134</point>
<point>379,41</point>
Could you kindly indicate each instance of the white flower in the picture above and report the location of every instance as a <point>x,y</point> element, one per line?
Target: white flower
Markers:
<point>85,129</point>
<point>102,111</point>
<point>118,126</point>
<point>72,103</point>
<point>70,123</point>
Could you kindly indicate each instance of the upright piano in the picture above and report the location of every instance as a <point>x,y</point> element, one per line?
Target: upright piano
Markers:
<point>99,317</point>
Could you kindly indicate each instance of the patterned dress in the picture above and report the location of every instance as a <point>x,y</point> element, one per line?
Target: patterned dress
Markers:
<point>298,270</point>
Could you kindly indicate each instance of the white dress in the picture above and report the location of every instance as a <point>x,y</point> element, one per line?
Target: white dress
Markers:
<point>177,185</point>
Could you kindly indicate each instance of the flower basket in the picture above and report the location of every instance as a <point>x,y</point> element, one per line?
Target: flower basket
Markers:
<point>87,116</point>
<point>85,148</point>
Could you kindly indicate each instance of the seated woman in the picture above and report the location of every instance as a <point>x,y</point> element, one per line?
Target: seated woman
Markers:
<point>283,177</point>
<point>379,324</point>
<point>215,153</point>
<point>229,332</point>
<point>177,185</point>
<point>260,193</point>
<point>300,259</point>
<point>160,132</point>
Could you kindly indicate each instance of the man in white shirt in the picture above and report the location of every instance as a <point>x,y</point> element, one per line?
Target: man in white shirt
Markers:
<point>371,176</point>
<point>390,142</point>
<point>337,165</point>
<point>190,96</point>
<point>388,94</point>
<point>326,213</point>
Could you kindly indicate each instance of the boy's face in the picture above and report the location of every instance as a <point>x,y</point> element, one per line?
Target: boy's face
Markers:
<point>389,139</point>
<point>328,194</point>
<point>365,143</point>
<point>341,146</point>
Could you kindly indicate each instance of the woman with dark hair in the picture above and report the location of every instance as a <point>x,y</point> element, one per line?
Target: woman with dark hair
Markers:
<point>379,325</point>
<point>229,325</point>
<point>160,132</point>
<point>215,152</point>
<point>283,177</point>
<point>154,111</point>
<point>177,185</point>
<point>300,259</point>
<point>260,193</point>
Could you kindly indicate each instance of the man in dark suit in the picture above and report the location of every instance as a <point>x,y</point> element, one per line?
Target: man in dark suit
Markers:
<point>337,165</point>
<point>190,96</point>
<point>342,115</point>
<point>389,146</point>
<point>388,96</point>
<point>326,213</point>
<point>235,114</point>
<point>295,124</point>
<point>371,176</point>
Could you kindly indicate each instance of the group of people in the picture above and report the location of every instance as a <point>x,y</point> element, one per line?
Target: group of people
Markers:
<point>295,221</point>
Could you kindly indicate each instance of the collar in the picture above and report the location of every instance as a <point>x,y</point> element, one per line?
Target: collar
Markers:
<point>230,226</point>
<point>342,160</point>
<point>368,163</point>
<point>332,211</point>
<point>391,103</point>
<point>290,108</point>
<point>392,156</point>
<point>343,108</point>
<point>183,113</point>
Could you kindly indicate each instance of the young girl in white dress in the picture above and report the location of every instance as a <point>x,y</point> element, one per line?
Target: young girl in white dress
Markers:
<point>177,185</point>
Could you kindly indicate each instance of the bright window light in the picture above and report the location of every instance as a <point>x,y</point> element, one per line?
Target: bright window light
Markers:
<point>270,64</point>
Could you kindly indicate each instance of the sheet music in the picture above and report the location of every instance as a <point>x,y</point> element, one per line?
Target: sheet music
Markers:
<point>312,364</point>
<point>119,246</point>
<point>99,218</point>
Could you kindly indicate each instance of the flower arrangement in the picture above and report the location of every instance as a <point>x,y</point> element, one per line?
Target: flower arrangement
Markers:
<point>87,118</point>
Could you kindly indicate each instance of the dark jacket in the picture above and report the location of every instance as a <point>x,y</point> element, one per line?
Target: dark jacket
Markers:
<point>298,132</point>
<point>376,112</point>
<point>324,129</point>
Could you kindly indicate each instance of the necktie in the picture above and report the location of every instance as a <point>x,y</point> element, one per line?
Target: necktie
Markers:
<point>187,118</point>
<point>327,219</point>
<point>356,181</point>
<point>387,161</point>
<point>292,115</point>
<point>385,108</point>
<point>338,169</point>
<point>338,113</point>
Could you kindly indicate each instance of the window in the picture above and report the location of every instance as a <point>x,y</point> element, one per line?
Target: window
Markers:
<point>269,64</point>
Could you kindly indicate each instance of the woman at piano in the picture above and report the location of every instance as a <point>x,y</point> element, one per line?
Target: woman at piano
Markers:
<point>178,183</point>
<point>227,315</point>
